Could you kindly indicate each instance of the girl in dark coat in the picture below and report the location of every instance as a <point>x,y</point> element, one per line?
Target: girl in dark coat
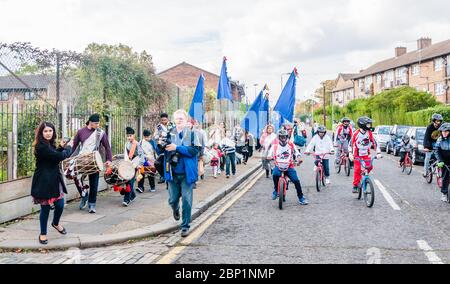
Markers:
<point>48,188</point>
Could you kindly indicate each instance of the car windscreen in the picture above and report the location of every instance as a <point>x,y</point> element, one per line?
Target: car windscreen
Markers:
<point>420,135</point>
<point>384,130</point>
<point>402,131</point>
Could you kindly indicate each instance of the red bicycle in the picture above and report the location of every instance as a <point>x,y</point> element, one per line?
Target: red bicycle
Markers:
<point>407,165</point>
<point>319,170</point>
<point>343,161</point>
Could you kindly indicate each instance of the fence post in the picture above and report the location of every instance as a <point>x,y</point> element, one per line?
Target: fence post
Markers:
<point>15,122</point>
<point>140,130</point>
<point>64,123</point>
<point>10,157</point>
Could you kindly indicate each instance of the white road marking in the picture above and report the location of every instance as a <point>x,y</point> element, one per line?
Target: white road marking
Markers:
<point>172,255</point>
<point>430,254</point>
<point>387,196</point>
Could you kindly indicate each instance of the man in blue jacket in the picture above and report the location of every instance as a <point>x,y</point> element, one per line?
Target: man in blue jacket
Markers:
<point>181,168</point>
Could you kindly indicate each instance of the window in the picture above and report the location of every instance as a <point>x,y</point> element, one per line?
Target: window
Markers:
<point>448,66</point>
<point>368,82</point>
<point>416,70</point>
<point>361,84</point>
<point>389,79</point>
<point>439,89</point>
<point>438,64</point>
<point>379,77</point>
<point>29,96</point>
<point>402,76</point>
<point>4,96</point>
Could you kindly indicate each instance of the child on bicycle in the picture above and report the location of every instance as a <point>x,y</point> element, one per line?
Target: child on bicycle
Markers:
<point>284,152</point>
<point>362,142</point>
<point>322,144</point>
<point>344,133</point>
<point>442,153</point>
<point>405,147</point>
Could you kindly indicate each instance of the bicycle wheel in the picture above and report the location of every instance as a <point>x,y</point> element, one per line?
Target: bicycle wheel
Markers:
<point>369,193</point>
<point>281,190</point>
<point>439,178</point>
<point>338,166</point>
<point>403,167</point>
<point>347,167</point>
<point>429,177</point>
<point>360,190</point>
<point>409,167</point>
<point>318,181</point>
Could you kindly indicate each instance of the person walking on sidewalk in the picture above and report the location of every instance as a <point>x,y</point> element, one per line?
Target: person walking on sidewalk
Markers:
<point>248,148</point>
<point>239,139</point>
<point>229,150</point>
<point>266,141</point>
<point>48,187</point>
<point>217,154</point>
<point>87,140</point>
<point>181,168</point>
<point>133,152</point>
<point>149,153</point>
<point>203,138</point>
<point>164,126</point>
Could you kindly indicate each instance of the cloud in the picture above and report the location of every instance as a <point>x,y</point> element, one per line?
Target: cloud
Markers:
<point>262,39</point>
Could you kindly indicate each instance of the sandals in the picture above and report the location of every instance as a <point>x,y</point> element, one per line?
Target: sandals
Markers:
<point>42,242</point>
<point>63,232</point>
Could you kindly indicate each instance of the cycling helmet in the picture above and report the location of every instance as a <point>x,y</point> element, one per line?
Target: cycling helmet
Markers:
<point>283,137</point>
<point>321,129</point>
<point>437,117</point>
<point>406,139</point>
<point>445,127</point>
<point>363,122</point>
<point>346,119</point>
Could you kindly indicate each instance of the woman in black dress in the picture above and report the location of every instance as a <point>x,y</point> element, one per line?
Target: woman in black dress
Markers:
<point>48,188</point>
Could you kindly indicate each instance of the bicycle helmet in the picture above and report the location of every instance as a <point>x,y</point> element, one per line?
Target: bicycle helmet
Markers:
<point>283,137</point>
<point>363,123</point>
<point>437,117</point>
<point>445,127</point>
<point>321,129</point>
<point>406,139</point>
<point>345,119</point>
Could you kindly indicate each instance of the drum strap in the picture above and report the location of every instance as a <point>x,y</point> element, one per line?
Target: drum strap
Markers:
<point>132,150</point>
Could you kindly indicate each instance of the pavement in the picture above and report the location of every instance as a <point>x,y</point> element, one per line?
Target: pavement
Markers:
<point>149,216</point>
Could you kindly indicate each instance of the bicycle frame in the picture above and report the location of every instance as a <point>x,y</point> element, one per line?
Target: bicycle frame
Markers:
<point>365,175</point>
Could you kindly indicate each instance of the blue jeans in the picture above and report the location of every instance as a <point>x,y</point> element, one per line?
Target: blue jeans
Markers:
<point>179,187</point>
<point>326,166</point>
<point>230,159</point>
<point>93,188</point>
<point>132,194</point>
<point>45,212</point>
<point>292,175</point>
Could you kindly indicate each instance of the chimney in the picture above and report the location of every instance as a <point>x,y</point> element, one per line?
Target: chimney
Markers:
<point>423,42</point>
<point>399,51</point>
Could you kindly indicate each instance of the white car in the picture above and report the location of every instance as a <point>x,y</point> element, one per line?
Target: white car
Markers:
<point>382,135</point>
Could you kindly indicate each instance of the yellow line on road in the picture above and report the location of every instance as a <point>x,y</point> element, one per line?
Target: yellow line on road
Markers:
<point>171,256</point>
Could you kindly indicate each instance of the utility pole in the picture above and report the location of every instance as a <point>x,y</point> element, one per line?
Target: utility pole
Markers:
<point>58,94</point>
<point>324,106</point>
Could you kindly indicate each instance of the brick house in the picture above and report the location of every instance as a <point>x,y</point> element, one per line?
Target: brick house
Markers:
<point>38,86</point>
<point>426,69</point>
<point>344,91</point>
<point>185,76</point>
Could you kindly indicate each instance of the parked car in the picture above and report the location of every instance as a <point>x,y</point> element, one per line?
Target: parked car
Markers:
<point>382,135</point>
<point>417,134</point>
<point>397,133</point>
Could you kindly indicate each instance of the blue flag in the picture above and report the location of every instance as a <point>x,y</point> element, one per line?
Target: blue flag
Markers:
<point>256,118</point>
<point>197,107</point>
<point>223,90</point>
<point>286,103</point>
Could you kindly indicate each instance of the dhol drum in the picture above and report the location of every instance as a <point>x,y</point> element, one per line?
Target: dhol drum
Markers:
<point>120,172</point>
<point>83,165</point>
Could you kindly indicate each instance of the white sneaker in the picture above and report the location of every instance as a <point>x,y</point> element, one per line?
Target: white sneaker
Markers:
<point>444,197</point>
<point>327,181</point>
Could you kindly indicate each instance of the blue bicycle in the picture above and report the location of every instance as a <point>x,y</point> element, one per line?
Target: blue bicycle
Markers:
<point>366,187</point>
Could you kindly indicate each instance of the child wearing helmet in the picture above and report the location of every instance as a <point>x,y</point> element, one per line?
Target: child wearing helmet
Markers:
<point>362,142</point>
<point>405,147</point>
<point>284,153</point>
<point>442,149</point>
<point>430,139</point>
<point>344,133</point>
<point>321,144</point>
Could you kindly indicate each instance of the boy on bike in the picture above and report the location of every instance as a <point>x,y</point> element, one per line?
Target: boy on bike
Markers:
<point>322,144</point>
<point>344,133</point>
<point>443,156</point>
<point>285,152</point>
<point>405,147</point>
<point>429,142</point>
<point>362,142</point>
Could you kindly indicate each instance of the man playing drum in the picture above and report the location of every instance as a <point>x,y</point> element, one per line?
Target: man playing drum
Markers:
<point>87,140</point>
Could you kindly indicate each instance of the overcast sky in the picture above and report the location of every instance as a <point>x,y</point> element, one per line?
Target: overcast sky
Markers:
<point>262,39</point>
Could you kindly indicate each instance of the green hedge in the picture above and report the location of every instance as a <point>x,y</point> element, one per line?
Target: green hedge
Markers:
<point>403,105</point>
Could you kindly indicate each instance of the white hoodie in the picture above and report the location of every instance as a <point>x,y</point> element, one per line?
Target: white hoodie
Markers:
<point>321,146</point>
